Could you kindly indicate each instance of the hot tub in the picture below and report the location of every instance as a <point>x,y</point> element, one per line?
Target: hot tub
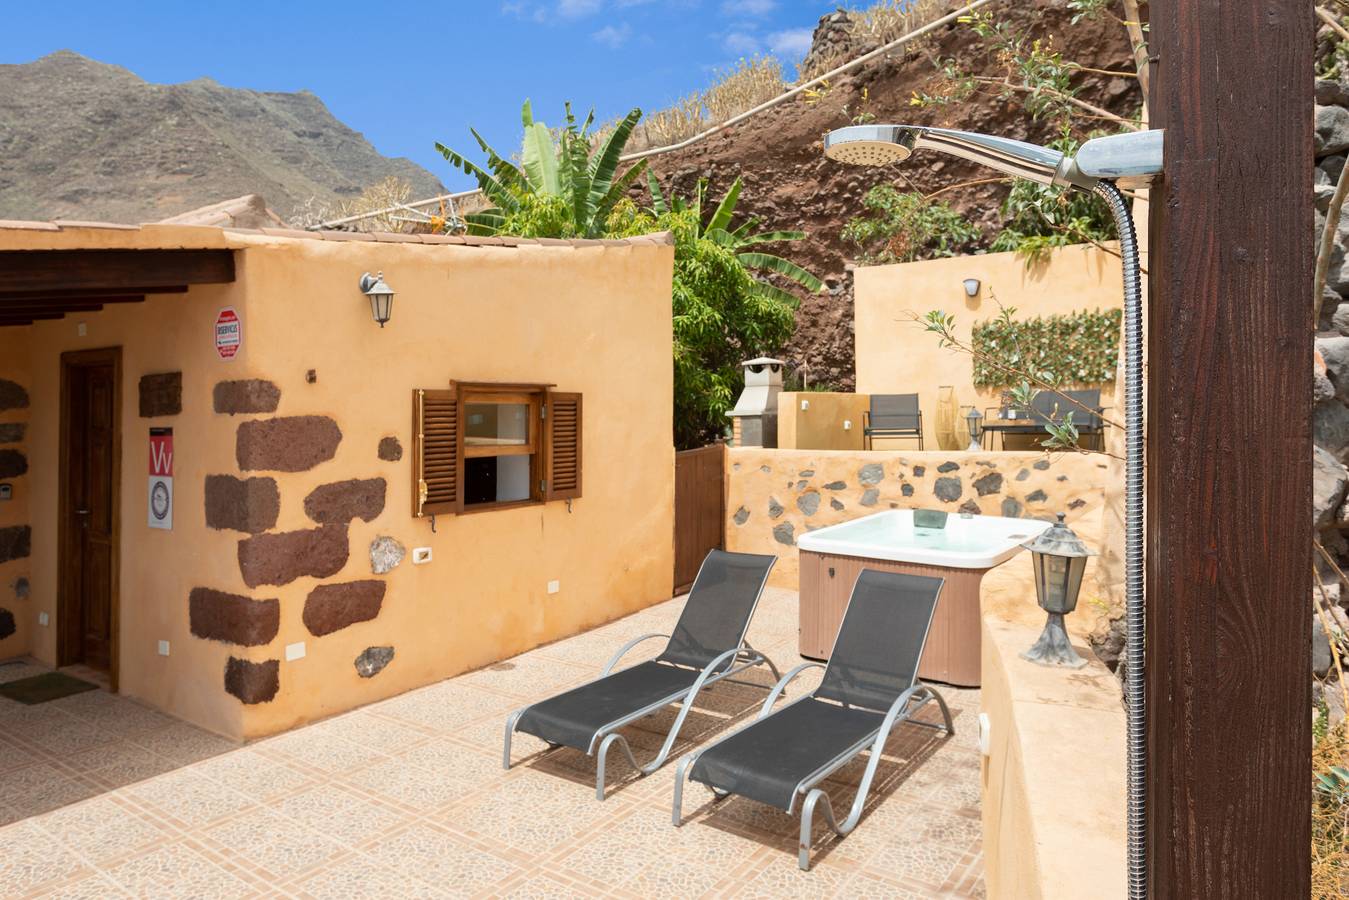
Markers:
<point>961,552</point>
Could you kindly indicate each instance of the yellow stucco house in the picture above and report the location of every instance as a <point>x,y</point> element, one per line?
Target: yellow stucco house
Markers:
<point>227,486</point>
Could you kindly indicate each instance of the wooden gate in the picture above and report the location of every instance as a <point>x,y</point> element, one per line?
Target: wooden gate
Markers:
<point>700,509</point>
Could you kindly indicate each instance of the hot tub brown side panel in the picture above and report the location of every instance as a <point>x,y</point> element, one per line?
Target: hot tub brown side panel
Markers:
<point>952,651</point>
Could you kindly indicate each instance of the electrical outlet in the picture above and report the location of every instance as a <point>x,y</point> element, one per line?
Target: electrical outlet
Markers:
<point>847,424</point>
<point>294,651</point>
<point>421,556</point>
<point>554,586</point>
<point>163,648</point>
<point>805,404</point>
<point>43,619</point>
<point>6,492</point>
<point>81,330</point>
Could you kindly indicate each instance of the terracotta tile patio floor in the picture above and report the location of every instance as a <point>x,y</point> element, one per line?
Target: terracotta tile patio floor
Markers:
<point>101,797</point>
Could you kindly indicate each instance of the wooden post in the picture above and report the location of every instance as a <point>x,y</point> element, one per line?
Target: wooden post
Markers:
<point>1229,451</point>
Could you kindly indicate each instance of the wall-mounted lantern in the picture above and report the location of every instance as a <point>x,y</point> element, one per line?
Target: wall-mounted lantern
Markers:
<point>972,420</point>
<point>1059,559</point>
<point>971,287</point>
<point>381,296</point>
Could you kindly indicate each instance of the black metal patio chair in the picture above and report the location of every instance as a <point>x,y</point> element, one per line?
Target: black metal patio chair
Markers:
<point>870,685</point>
<point>707,645</point>
<point>893,416</point>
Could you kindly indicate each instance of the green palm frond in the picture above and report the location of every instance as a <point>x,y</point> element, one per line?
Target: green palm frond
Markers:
<point>769,237</point>
<point>503,169</point>
<point>495,191</point>
<point>484,222</point>
<point>777,294</point>
<point>604,164</point>
<point>783,267</point>
<point>539,158</point>
<point>721,219</point>
<point>617,190</point>
<point>658,205</point>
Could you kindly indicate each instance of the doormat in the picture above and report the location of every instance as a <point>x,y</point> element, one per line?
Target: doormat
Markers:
<point>45,687</point>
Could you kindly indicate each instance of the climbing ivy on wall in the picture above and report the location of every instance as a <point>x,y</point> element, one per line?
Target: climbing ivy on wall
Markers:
<point>1076,348</point>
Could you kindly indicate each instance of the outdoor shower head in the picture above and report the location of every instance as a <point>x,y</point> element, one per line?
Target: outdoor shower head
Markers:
<point>1129,159</point>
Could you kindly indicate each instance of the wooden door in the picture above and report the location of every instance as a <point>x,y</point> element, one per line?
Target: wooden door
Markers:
<point>700,509</point>
<point>89,507</point>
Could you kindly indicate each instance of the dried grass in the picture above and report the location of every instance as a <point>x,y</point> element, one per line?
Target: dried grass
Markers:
<point>749,83</point>
<point>1330,821</point>
<point>879,24</point>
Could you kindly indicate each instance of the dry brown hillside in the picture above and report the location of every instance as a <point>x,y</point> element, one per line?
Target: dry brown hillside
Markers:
<point>790,185</point>
<point>81,139</point>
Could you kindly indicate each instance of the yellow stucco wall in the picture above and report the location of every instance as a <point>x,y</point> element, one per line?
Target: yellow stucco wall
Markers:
<point>824,424</point>
<point>14,513</point>
<point>894,355</point>
<point>592,319</point>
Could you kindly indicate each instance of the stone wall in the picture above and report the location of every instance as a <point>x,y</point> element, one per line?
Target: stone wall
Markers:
<point>775,496</point>
<point>16,614</point>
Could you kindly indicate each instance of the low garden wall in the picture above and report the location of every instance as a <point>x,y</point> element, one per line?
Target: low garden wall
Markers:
<point>775,496</point>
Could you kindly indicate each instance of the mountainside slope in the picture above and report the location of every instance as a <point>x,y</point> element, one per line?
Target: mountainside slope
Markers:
<point>85,140</point>
<point>789,183</point>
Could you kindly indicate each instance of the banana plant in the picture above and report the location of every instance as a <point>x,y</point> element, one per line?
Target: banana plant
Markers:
<point>740,238</point>
<point>560,165</point>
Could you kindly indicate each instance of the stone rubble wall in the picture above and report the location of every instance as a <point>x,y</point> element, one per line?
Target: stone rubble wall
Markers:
<point>775,496</point>
<point>15,524</point>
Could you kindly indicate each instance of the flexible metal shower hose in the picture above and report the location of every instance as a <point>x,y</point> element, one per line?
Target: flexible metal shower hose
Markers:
<point>1134,613</point>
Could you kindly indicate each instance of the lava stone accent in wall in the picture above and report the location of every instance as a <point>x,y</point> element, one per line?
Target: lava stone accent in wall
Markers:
<point>332,607</point>
<point>249,396</point>
<point>12,395</point>
<point>283,557</point>
<point>385,554</point>
<point>12,464</point>
<point>161,394</point>
<point>785,533</point>
<point>871,473</point>
<point>342,501</point>
<point>741,516</point>
<point>290,444</point>
<point>250,505</point>
<point>253,682</point>
<point>232,618</point>
<point>971,508</point>
<point>948,489</point>
<point>808,502</point>
<point>7,626</point>
<point>11,432</point>
<point>1037,496</point>
<point>389,451</point>
<point>948,467</point>
<point>774,508</point>
<point>373,660</point>
<point>16,542</point>
<point>1012,508</point>
<point>988,484</point>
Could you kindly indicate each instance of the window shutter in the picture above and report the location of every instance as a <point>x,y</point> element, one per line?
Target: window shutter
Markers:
<point>564,446</point>
<point>435,453</point>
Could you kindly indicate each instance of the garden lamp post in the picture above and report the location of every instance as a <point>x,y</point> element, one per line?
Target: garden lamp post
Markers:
<point>972,420</point>
<point>1059,559</point>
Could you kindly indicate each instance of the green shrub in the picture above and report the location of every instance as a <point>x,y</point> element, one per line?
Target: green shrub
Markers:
<point>1077,348</point>
<point>902,226</point>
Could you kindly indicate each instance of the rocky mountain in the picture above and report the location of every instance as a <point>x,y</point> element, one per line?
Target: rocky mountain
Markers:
<point>790,184</point>
<point>80,139</point>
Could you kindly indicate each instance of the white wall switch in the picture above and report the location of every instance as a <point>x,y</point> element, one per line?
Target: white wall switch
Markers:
<point>81,330</point>
<point>847,424</point>
<point>421,555</point>
<point>163,648</point>
<point>294,651</point>
<point>43,618</point>
<point>805,404</point>
<point>554,586</point>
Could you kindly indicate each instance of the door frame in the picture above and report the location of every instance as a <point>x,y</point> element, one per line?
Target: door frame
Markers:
<point>67,620</point>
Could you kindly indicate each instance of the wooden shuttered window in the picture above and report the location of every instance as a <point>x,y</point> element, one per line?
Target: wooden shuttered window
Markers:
<point>564,445</point>
<point>435,452</point>
<point>447,481</point>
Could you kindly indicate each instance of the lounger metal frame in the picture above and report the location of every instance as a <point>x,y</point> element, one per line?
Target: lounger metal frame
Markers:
<point>736,660</point>
<point>898,713</point>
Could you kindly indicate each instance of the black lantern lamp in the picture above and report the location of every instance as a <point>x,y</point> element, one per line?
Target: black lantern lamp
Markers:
<point>381,296</point>
<point>1059,558</point>
<point>972,420</point>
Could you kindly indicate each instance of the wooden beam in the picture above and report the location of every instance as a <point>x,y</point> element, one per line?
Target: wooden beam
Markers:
<point>92,292</point>
<point>112,271</point>
<point>1229,451</point>
<point>10,312</point>
<point>55,305</point>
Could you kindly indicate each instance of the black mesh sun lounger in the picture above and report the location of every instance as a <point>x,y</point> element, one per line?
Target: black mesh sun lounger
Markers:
<point>870,685</point>
<point>707,645</point>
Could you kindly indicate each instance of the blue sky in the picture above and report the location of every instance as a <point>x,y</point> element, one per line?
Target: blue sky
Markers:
<point>409,73</point>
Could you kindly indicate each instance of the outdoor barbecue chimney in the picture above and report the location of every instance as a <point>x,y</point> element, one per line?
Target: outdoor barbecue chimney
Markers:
<point>755,417</point>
